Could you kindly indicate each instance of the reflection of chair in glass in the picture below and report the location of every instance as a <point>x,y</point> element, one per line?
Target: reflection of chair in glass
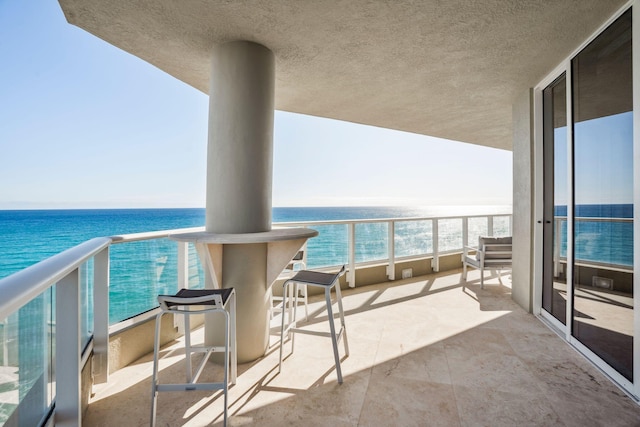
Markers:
<point>327,281</point>
<point>298,262</point>
<point>492,253</point>
<point>188,302</point>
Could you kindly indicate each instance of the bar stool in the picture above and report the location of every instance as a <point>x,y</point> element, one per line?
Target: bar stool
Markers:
<point>188,302</point>
<point>298,263</point>
<point>327,281</point>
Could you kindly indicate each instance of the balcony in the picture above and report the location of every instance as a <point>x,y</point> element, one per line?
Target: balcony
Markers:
<point>423,348</point>
<point>423,351</point>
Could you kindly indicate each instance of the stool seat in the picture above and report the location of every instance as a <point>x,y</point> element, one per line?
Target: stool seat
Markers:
<point>186,297</point>
<point>327,281</point>
<point>188,302</point>
<point>315,278</point>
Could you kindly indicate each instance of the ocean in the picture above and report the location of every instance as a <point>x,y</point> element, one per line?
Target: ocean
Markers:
<point>29,236</point>
<point>142,270</point>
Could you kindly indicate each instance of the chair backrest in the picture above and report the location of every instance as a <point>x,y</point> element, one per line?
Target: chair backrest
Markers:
<point>501,245</point>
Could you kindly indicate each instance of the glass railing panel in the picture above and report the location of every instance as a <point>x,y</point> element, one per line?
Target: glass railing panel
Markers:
<point>372,241</point>
<point>413,238</point>
<point>194,269</point>
<point>140,271</point>
<point>501,226</point>
<point>449,234</point>
<point>477,227</point>
<point>330,247</point>
<point>27,341</point>
<point>86,302</point>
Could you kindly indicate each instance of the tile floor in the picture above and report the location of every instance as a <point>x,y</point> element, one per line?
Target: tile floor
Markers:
<point>424,352</point>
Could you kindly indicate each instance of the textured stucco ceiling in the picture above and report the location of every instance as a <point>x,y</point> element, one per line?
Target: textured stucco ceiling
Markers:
<point>445,68</point>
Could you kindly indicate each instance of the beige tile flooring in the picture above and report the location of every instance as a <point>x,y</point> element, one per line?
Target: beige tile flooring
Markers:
<point>424,352</point>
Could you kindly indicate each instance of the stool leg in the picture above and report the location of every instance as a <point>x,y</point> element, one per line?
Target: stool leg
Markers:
<point>233,344</point>
<point>294,299</point>
<point>342,324</point>
<point>306,303</point>
<point>284,292</point>
<point>334,339</point>
<point>154,376</point>
<point>187,346</point>
<point>226,365</point>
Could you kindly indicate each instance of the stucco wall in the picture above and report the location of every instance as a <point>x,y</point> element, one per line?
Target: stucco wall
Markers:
<point>523,191</point>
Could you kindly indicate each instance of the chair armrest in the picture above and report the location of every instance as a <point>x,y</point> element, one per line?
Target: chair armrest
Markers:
<point>496,245</point>
<point>466,249</point>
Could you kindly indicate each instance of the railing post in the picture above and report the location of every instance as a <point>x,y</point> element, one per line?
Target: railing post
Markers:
<point>391,268</point>
<point>101,317</point>
<point>183,266</point>
<point>465,235</point>
<point>351,276</point>
<point>490,225</point>
<point>435,262</point>
<point>68,358</point>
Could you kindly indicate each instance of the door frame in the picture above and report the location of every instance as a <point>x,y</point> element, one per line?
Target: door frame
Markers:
<point>632,388</point>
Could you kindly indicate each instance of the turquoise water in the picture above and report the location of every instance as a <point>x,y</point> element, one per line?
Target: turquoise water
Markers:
<point>142,270</point>
<point>29,236</point>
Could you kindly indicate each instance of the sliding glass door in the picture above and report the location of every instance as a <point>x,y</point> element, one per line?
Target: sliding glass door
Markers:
<point>554,288</point>
<point>603,196</point>
<point>588,239</point>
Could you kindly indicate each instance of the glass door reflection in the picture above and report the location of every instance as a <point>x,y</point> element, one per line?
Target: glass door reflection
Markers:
<point>602,317</point>
<point>554,288</point>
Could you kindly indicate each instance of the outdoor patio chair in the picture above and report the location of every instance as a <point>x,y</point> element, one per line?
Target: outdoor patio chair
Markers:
<point>188,302</point>
<point>492,253</point>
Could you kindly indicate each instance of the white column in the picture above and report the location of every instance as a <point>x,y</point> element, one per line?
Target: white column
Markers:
<point>239,180</point>
<point>240,150</point>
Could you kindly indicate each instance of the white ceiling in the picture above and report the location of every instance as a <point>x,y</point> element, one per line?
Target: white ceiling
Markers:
<point>445,68</point>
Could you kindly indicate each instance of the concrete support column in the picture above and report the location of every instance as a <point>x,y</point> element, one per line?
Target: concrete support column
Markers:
<point>239,180</point>
<point>240,150</point>
<point>523,201</point>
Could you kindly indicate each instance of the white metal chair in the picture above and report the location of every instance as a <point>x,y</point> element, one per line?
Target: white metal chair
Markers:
<point>198,301</point>
<point>492,253</point>
<point>298,263</point>
<point>327,281</point>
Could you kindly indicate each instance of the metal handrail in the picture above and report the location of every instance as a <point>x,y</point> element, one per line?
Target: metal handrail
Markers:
<point>149,235</point>
<point>391,257</point>
<point>375,220</point>
<point>23,286</point>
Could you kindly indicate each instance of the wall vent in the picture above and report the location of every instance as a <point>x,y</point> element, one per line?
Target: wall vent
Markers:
<point>602,282</point>
<point>407,273</point>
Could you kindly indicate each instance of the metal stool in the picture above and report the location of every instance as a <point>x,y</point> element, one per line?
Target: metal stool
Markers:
<point>298,263</point>
<point>197,301</point>
<point>327,281</point>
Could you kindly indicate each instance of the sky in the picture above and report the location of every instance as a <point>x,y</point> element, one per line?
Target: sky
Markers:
<point>86,125</point>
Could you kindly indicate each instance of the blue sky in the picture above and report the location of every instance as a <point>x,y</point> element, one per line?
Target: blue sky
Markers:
<point>84,124</point>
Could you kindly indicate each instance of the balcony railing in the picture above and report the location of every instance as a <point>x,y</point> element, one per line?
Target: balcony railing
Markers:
<point>55,314</point>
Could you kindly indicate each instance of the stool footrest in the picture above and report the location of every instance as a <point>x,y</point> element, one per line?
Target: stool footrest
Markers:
<point>316,333</point>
